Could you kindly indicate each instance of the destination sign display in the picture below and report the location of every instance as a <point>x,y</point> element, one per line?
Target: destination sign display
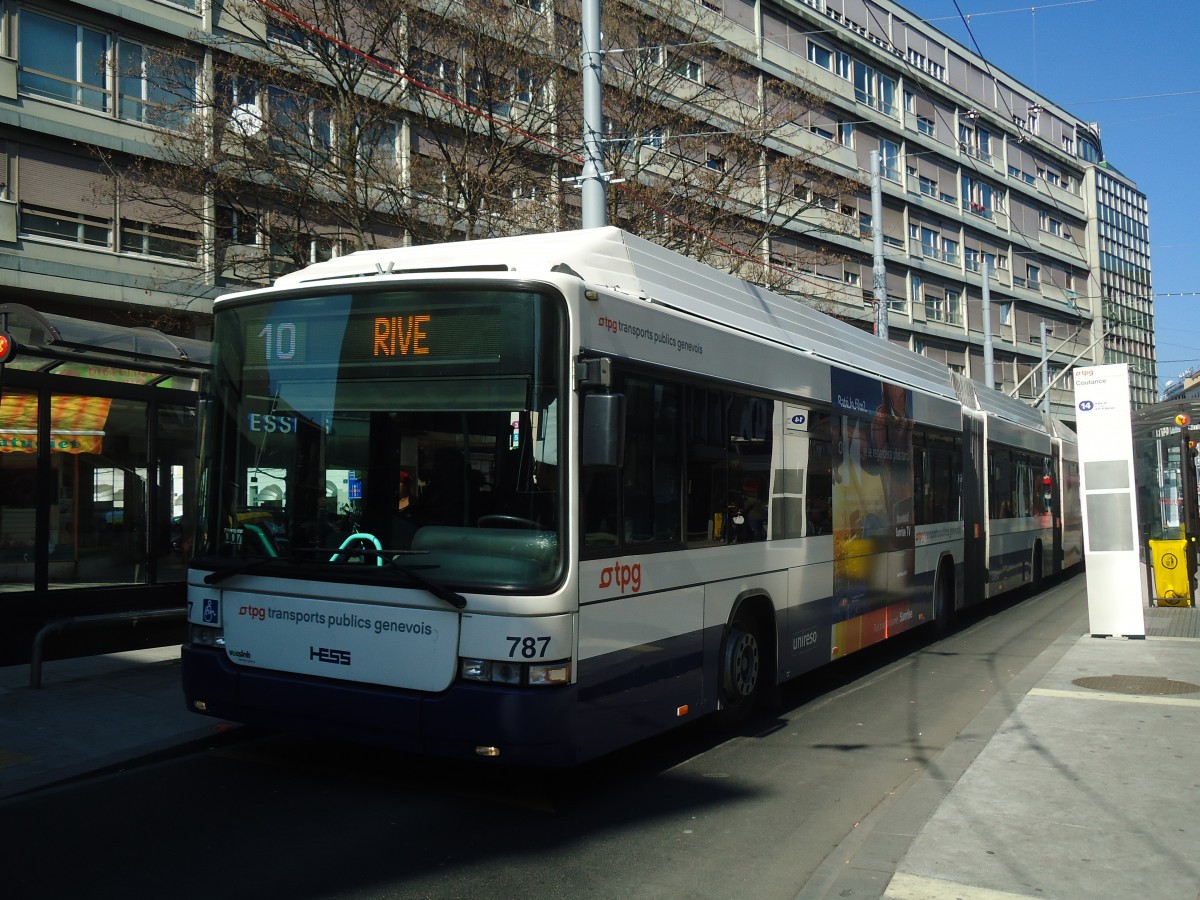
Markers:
<point>289,337</point>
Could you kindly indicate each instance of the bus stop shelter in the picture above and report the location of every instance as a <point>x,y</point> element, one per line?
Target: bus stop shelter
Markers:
<point>98,431</point>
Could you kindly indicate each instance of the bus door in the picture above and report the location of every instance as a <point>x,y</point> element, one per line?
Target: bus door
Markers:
<point>1052,501</point>
<point>974,511</point>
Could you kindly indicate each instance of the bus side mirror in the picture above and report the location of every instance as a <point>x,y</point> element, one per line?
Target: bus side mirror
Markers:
<point>603,430</point>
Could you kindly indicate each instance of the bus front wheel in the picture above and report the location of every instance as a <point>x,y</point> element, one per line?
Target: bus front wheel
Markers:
<point>741,672</point>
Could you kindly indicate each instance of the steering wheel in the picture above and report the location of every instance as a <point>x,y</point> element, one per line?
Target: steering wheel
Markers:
<point>499,521</point>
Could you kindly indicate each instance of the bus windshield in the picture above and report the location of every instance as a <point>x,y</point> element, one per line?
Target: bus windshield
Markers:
<point>366,432</point>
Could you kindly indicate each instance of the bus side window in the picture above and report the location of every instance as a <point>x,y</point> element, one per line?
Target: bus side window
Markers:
<point>651,469</point>
<point>706,473</point>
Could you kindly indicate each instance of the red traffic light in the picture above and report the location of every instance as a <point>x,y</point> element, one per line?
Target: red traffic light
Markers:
<point>1182,420</point>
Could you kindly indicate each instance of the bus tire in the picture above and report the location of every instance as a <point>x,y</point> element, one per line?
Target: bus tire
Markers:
<point>741,672</point>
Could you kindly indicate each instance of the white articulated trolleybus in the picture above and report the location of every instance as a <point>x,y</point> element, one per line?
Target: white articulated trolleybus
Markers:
<point>537,498</point>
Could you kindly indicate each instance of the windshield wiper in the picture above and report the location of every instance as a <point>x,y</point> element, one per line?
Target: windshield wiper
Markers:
<point>455,599</point>
<point>249,566</point>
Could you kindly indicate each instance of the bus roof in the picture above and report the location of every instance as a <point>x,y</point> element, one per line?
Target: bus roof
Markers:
<point>615,260</point>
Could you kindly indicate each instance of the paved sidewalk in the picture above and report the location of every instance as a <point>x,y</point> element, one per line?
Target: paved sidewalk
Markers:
<point>1080,783</point>
<point>92,713</point>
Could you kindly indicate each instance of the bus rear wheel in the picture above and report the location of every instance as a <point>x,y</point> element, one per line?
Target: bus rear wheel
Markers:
<point>741,672</point>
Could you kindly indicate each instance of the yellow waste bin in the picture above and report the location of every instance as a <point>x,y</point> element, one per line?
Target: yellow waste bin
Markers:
<point>1172,587</point>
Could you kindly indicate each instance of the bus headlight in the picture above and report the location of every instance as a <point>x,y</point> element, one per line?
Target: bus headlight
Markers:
<point>203,636</point>
<point>489,671</point>
<point>554,673</point>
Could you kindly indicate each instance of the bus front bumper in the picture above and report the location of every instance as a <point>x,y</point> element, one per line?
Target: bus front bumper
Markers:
<point>527,726</point>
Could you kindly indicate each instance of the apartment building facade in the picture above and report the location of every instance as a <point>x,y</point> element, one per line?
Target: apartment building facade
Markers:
<point>978,171</point>
<point>1121,224</point>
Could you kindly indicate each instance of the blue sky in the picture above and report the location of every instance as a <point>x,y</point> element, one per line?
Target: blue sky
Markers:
<point>1132,66</point>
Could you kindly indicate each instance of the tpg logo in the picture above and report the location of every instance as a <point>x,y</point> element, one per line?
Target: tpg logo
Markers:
<point>622,575</point>
<point>254,612</point>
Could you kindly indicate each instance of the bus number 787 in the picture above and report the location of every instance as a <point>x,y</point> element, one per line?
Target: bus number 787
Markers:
<point>528,646</point>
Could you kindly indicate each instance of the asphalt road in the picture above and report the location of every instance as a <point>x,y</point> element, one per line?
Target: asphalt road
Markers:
<point>692,814</point>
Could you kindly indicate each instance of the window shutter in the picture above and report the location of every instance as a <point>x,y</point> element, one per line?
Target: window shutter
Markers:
<point>60,181</point>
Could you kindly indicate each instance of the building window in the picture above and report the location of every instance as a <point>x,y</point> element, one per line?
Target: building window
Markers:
<point>875,89</point>
<point>149,239</point>
<point>62,61</point>
<point>889,159</point>
<point>947,309</point>
<point>1088,150</point>
<point>864,83</point>
<point>37,221</point>
<point>434,71</point>
<point>155,87</point>
<point>820,55</point>
<point>954,314</point>
<point>298,124</point>
<point>685,68</point>
<point>843,65</point>
<point>489,92</point>
<point>846,134</point>
<point>975,142</point>
<point>925,125</point>
<point>235,227</point>
<point>887,95</point>
<point>980,197</point>
<point>530,91</point>
<point>294,250</point>
<point>672,62</point>
<point>716,163</point>
<point>929,243</point>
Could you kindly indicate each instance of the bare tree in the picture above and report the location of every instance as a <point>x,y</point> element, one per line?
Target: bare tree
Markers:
<point>715,149</point>
<point>324,126</point>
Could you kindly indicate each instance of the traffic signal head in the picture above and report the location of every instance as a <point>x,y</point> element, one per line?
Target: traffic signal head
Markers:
<point>1182,420</point>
